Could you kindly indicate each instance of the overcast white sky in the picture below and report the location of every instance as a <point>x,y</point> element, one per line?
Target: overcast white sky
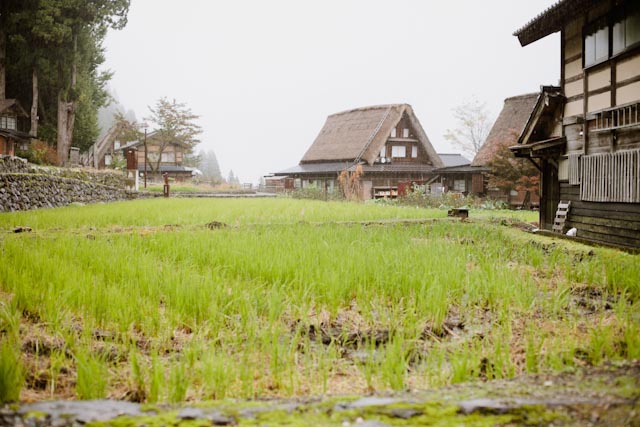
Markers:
<point>264,75</point>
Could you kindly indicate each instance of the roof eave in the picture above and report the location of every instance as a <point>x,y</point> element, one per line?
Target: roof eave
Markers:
<point>550,20</point>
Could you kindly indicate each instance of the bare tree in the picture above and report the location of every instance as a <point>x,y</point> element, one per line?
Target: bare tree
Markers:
<point>472,128</point>
<point>174,122</point>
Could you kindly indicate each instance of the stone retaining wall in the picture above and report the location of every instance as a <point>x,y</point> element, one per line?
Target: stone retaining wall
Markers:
<point>24,186</point>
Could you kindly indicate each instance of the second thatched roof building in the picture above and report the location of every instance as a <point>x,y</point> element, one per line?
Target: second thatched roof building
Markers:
<point>385,142</point>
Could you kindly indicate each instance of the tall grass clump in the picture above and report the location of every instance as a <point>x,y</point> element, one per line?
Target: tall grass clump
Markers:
<point>93,376</point>
<point>11,371</point>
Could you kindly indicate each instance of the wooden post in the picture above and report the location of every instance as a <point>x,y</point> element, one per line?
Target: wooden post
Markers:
<point>165,190</point>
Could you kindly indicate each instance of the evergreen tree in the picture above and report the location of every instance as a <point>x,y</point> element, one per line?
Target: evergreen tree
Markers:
<point>210,167</point>
<point>54,49</point>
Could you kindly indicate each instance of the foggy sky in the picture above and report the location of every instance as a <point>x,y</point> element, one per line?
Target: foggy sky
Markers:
<point>264,75</point>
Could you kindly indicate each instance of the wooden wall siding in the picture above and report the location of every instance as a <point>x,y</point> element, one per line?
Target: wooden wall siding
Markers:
<point>628,139</point>
<point>574,108</point>
<point>573,48</point>
<point>599,101</point>
<point>477,183</point>
<point>611,177</point>
<point>628,93</point>
<point>617,223</point>
<point>573,88</point>
<point>573,68</point>
<point>628,68</point>
<point>600,78</point>
<point>575,142</point>
<point>574,169</point>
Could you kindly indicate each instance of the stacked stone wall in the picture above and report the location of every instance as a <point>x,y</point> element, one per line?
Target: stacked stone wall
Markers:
<point>24,186</point>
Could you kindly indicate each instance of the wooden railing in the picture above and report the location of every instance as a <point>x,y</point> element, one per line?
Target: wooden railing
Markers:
<point>611,177</point>
<point>619,117</point>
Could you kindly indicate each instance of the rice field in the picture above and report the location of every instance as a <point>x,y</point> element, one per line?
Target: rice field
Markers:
<point>178,299</point>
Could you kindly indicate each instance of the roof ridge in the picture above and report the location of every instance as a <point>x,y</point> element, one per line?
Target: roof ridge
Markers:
<point>525,95</point>
<point>368,107</point>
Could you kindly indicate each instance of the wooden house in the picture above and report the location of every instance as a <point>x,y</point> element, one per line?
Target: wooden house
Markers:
<point>13,131</point>
<point>387,142</point>
<point>162,158</point>
<point>504,133</point>
<point>459,176</point>
<point>585,135</point>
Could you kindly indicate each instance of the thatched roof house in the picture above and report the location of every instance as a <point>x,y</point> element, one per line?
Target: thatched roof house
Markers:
<point>359,134</point>
<point>507,128</point>
<point>504,133</point>
<point>386,141</point>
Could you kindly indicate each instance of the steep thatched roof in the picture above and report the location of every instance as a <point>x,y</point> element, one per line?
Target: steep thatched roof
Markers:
<point>359,135</point>
<point>507,128</point>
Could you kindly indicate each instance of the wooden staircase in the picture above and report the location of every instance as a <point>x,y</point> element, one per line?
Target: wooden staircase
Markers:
<point>561,216</point>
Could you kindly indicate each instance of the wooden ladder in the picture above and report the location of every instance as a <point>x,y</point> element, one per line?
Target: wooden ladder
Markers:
<point>561,216</point>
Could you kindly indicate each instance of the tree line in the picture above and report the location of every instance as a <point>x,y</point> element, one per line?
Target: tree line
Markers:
<point>50,54</point>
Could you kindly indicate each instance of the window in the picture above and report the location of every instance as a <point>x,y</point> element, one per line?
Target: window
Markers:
<point>459,185</point>
<point>168,157</point>
<point>398,151</point>
<point>405,133</point>
<point>383,152</point>
<point>596,46</point>
<point>116,145</point>
<point>599,45</point>
<point>393,133</point>
<point>414,151</point>
<point>626,32</point>
<point>7,122</point>
<point>107,160</point>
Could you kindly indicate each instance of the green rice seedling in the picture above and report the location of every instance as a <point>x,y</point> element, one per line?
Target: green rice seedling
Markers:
<point>217,375</point>
<point>393,366</point>
<point>9,320</point>
<point>532,352</point>
<point>11,371</point>
<point>247,376</point>
<point>92,373</point>
<point>601,344</point>
<point>435,368</point>
<point>137,380</point>
<point>370,365</point>
<point>631,340</point>
<point>501,365</point>
<point>179,382</point>
<point>57,361</point>
<point>156,378</point>
<point>461,366</point>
